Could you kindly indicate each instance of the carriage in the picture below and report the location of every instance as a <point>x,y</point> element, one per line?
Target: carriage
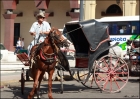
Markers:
<point>93,61</point>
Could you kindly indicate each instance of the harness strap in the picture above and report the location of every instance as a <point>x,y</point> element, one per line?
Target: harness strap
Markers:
<point>43,56</point>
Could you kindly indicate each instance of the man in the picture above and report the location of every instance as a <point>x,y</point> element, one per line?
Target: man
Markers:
<point>39,30</point>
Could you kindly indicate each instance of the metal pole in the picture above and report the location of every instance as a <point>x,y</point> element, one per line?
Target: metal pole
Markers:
<point>81,11</point>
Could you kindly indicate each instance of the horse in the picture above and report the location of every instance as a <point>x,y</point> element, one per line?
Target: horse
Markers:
<point>43,58</point>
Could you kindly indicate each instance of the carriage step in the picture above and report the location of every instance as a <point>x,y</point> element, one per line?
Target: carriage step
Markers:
<point>79,69</point>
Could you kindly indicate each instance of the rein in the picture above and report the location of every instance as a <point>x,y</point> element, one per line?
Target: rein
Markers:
<point>73,30</point>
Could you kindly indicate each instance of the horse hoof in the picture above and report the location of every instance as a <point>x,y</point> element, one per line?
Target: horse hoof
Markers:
<point>36,97</point>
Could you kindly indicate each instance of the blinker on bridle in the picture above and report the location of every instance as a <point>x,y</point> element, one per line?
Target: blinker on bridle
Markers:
<point>56,37</point>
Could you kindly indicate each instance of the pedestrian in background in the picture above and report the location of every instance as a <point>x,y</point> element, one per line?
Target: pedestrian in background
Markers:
<point>18,45</point>
<point>22,43</point>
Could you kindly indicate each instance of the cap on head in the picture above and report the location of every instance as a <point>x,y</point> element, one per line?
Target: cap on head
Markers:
<point>41,14</point>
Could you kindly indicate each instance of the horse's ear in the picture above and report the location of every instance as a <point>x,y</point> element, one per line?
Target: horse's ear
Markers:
<point>52,28</point>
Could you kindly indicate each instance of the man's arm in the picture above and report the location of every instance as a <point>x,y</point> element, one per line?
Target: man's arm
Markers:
<point>33,33</point>
<point>32,30</point>
<point>47,32</point>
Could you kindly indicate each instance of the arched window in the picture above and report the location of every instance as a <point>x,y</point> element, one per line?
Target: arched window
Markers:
<point>113,9</point>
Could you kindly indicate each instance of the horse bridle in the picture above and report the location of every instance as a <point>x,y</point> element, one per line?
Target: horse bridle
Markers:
<point>56,37</point>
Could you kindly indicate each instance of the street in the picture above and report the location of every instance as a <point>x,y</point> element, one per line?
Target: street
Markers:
<point>10,87</point>
<point>72,89</point>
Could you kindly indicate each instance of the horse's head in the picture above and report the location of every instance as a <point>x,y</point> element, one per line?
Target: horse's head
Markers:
<point>58,37</point>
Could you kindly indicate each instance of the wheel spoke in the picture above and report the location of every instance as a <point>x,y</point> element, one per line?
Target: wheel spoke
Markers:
<point>110,84</point>
<point>100,74</point>
<point>117,63</point>
<point>120,79</point>
<point>83,75</point>
<point>119,67</point>
<point>102,68</point>
<point>103,78</point>
<point>122,73</point>
<point>105,63</point>
<point>110,61</point>
<point>104,85</point>
<point>117,84</point>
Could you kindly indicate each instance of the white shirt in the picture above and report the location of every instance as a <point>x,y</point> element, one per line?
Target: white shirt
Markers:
<point>37,28</point>
<point>22,43</point>
<point>18,43</point>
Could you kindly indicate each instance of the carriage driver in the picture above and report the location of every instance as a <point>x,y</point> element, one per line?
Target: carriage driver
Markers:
<point>39,30</point>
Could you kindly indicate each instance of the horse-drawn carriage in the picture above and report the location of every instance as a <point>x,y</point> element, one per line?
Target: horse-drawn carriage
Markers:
<point>93,62</point>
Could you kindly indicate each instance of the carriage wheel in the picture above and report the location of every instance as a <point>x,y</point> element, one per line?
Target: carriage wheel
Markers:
<point>82,75</point>
<point>70,72</point>
<point>27,75</point>
<point>111,73</point>
<point>22,81</point>
<point>61,80</point>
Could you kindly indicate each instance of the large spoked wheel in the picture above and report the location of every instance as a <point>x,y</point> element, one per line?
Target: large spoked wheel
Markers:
<point>111,73</point>
<point>82,75</point>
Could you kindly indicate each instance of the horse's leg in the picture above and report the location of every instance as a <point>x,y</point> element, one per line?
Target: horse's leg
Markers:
<point>37,74</point>
<point>50,74</point>
<point>40,79</point>
<point>33,71</point>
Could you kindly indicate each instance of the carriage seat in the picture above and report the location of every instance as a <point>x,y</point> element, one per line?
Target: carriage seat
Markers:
<point>81,60</point>
<point>81,55</point>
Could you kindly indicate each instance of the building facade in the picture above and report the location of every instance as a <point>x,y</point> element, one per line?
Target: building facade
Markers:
<point>17,16</point>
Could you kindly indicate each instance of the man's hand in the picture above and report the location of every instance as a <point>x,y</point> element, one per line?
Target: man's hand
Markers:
<point>33,34</point>
<point>41,32</point>
<point>47,32</point>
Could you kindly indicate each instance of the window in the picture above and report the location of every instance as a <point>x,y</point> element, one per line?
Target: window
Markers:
<point>124,28</point>
<point>16,32</point>
<point>113,9</point>
<point>135,27</point>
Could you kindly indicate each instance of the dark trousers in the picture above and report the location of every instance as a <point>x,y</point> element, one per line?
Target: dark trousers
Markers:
<point>17,49</point>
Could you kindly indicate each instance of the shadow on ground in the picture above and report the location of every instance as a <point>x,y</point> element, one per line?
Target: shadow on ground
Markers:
<point>16,90</point>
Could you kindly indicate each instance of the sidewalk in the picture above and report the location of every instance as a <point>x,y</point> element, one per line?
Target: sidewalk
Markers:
<point>10,72</point>
<point>13,66</point>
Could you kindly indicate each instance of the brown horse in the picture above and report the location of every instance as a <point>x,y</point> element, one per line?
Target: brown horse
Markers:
<point>43,58</point>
